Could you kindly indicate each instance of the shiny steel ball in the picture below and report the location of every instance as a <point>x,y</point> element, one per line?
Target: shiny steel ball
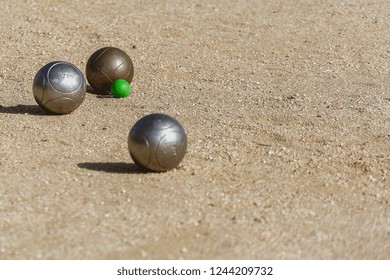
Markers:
<point>157,142</point>
<point>59,87</point>
<point>107,65</point>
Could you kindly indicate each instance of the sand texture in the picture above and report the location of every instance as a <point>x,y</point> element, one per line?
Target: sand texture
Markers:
<point>286,105</point>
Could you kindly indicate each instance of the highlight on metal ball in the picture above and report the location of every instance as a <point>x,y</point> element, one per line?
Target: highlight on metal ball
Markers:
<point>157,142</point>
<point>59,87</point>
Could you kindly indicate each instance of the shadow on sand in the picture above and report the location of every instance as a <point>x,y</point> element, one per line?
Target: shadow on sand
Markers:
<point>112,167</point>
<point>22,110</point>
<point>97,94</point>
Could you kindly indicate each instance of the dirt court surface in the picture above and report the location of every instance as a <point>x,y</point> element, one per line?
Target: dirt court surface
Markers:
<point>286,105</point>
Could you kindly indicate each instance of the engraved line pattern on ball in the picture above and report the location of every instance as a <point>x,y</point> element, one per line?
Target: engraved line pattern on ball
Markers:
<point>44,88</point>
<point>104,73</point>
<point>149,149</point>
<point>62,98</point>
<point>129,71</point>
<point>173,149</point>
<point>103,52</point>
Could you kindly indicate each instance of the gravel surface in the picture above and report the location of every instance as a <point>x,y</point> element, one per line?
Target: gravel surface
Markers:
<point>286,105</point>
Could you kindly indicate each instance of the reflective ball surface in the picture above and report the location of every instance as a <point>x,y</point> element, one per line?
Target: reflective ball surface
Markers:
<point>59,87</point>
<point>107,65</point>
<point>157,142</point>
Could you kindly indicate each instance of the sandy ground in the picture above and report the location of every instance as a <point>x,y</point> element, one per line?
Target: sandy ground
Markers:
<point>287,109</point>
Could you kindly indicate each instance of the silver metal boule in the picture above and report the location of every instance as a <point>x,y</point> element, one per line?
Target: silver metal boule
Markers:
<point>157,142</point>
<point>59,87</point>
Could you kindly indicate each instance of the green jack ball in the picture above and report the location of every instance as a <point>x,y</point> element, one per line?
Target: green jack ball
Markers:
<point>120,88</point>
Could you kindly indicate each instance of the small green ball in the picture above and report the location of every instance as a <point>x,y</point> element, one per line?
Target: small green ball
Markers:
<point>120,88</point>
